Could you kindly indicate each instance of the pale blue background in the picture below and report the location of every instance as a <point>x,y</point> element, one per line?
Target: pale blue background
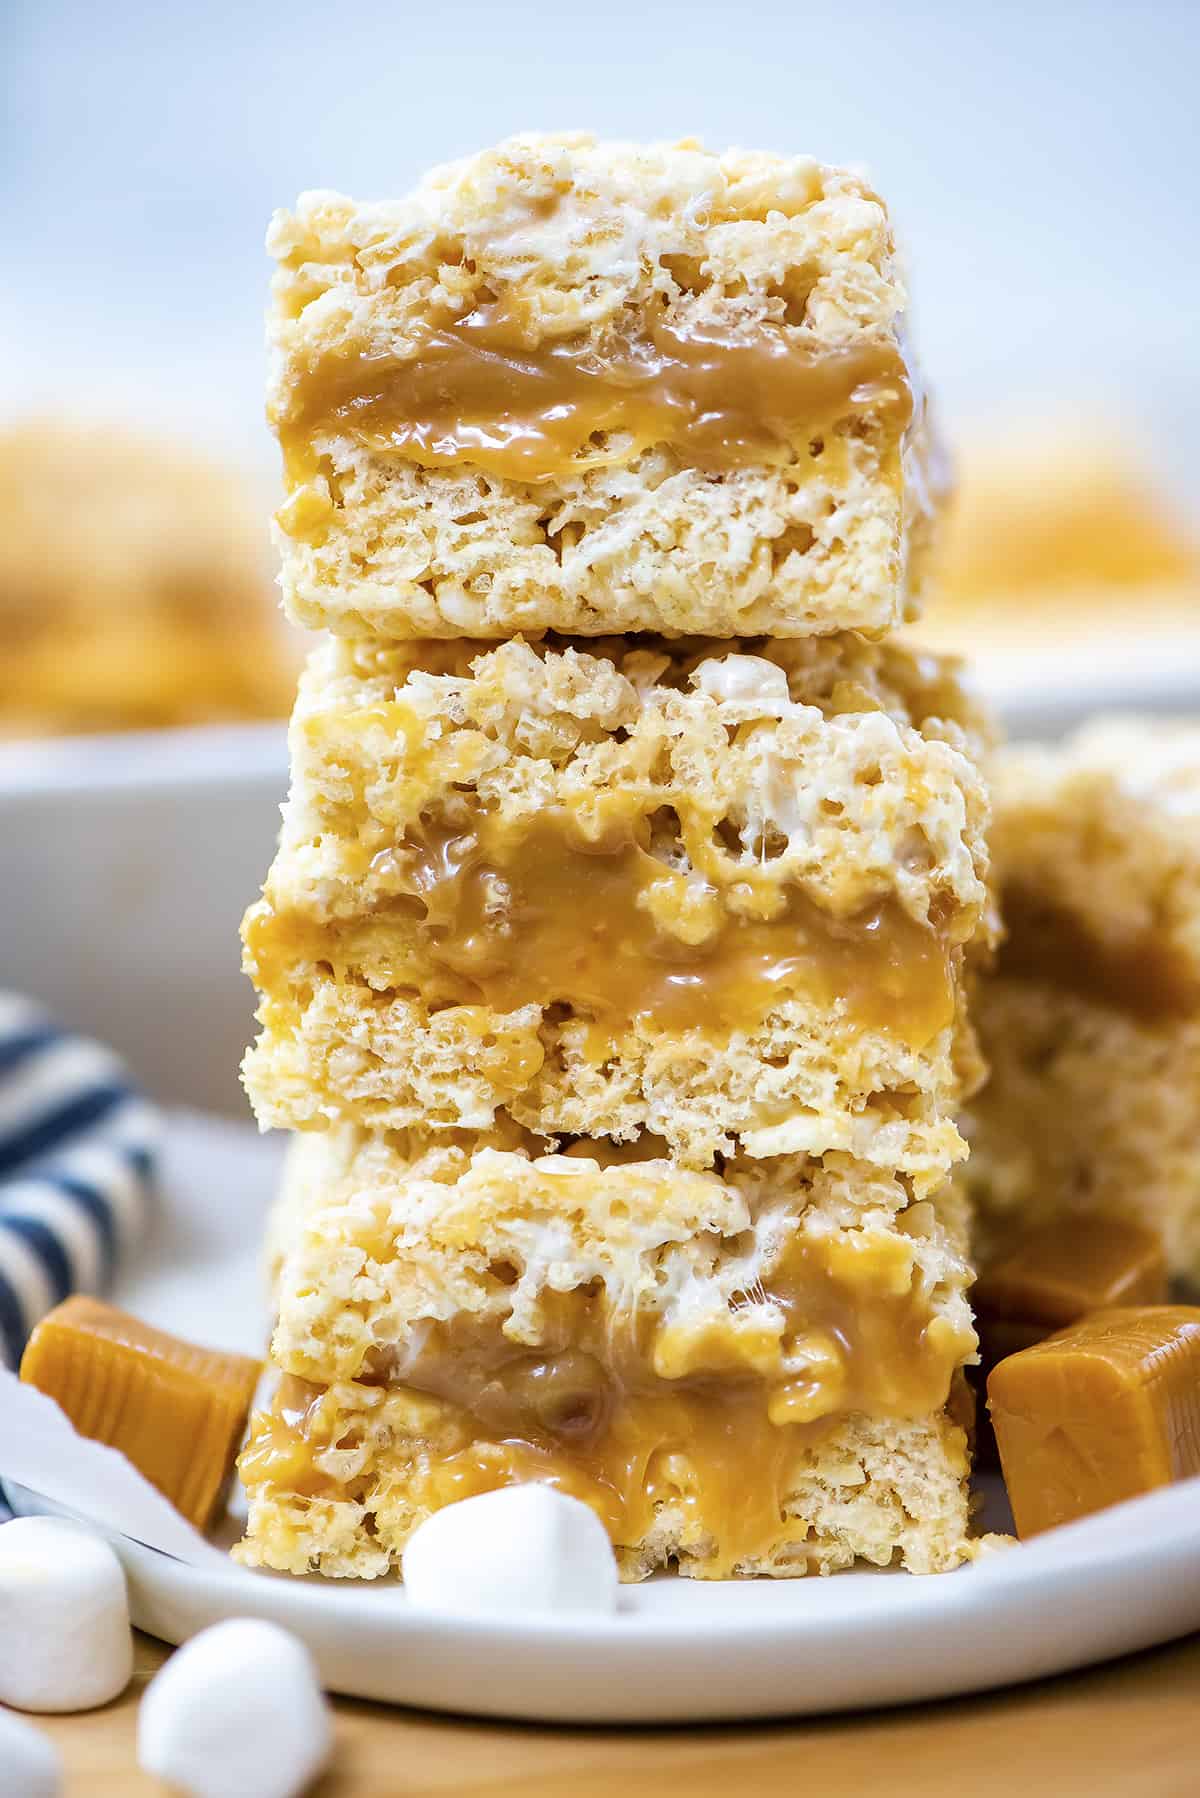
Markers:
<point>1041,162</point>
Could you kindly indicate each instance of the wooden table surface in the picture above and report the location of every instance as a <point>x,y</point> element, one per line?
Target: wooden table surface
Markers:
<point>1132,1727</point>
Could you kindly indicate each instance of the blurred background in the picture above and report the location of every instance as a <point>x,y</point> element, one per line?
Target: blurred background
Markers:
<point>1041,165</point>
<point>1040,162</point>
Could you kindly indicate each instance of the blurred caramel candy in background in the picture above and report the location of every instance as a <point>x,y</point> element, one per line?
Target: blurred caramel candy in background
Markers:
<point>1055,1275</point>
<point>1051,1276</point>
<point>134,587</point>
<point>176,1411</point>
<point>1098,1413</point>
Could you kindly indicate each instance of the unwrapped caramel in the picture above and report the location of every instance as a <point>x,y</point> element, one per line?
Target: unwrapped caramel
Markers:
<point>1075,1265</point>
<point>176,1411</point>
<point>1099,1412</point>
<point>1052,1277</point>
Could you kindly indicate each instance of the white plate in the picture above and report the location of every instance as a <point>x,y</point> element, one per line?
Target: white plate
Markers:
<point>678,1650</point>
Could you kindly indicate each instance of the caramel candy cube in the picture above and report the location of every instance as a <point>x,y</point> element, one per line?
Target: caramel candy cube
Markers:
<point>1055,1275</point>
<point>176,1411</point>
<point>1099,1412</point>
<point>1066,1269</point>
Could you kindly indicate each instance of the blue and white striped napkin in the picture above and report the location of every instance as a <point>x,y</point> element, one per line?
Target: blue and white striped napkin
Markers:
<point>79,1147</point>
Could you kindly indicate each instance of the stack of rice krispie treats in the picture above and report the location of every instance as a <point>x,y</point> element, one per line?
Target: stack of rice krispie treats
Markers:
<point>614,963</point>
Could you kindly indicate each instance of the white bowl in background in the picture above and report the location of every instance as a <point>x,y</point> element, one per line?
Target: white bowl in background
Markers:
<point>125,865</point>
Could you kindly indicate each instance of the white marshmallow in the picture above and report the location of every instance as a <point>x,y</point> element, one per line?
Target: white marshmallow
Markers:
<point>65,1641</point>
<point>30,1766</point>
<point>523,1548</point>
<point>745,680</point>
<point>237,1712</point>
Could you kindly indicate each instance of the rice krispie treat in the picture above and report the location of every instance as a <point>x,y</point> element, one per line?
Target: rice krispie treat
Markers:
<point>1091,1022</point>
<point>587,387</point>
<point>723,892</point>
<point>133,587</point>
<point>746,1372</point>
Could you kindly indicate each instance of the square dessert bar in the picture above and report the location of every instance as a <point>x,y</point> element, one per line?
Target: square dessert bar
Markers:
<point>590,387</point>
<point>750,1371</point>
<point>722,892</point>
<point>1091,1022</point>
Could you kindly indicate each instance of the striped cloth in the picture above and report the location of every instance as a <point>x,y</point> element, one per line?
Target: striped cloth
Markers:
<point>78,1155</point>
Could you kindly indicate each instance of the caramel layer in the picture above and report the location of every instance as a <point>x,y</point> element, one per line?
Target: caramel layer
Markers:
<point>479,390</point>
<point>627,1412</point>
<point>174,1410</point>
<point>852,1328</point>
<point>1098,1413</point>
<point>543,913</point>
<point>715,1453</point>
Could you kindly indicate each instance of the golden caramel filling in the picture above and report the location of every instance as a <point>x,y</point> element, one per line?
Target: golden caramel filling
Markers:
<point>1146,977</point>
<point>629,1413</point>
<point>174,1410</point>
<point>541,913</point>
<point>478,390</point>
<point>840,1323</point>
<point>714,1454</point>
<point>1104,1410</point>
<point>613,930</point>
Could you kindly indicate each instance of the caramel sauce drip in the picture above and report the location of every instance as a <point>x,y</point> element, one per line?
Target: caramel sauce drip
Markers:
<point>540,913</point>
<point>476,390</point>
<point>629,1413</point>
<point>1098,1413</point>
<point>1147,978</point>
<point>174,1410</point>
